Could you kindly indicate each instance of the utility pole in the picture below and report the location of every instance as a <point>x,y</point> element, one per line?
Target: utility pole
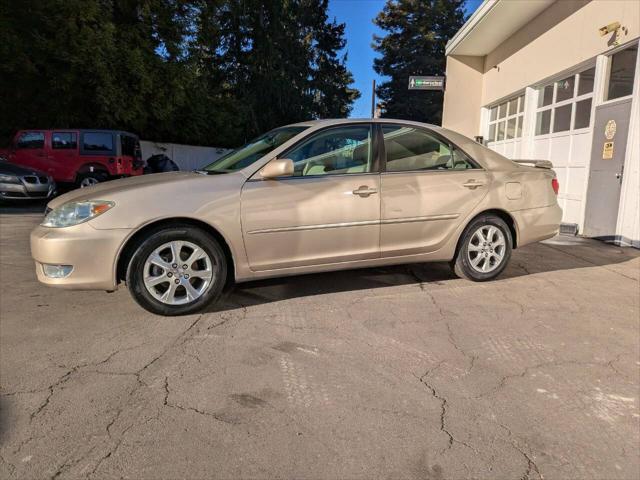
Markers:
<point>373,99</point>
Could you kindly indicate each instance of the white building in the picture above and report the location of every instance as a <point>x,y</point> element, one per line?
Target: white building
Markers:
<point>557,80</point>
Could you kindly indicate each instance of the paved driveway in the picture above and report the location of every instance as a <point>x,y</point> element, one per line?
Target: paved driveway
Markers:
<point>400,372</point>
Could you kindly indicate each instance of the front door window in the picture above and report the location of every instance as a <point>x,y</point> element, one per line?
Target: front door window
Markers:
<point>30,141</point>
<point>335,151</point>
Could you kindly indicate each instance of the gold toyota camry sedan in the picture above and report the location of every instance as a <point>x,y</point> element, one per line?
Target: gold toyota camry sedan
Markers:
<point>311,197</point>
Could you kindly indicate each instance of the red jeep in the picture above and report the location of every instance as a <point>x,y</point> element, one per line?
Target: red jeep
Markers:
<point>80,157</point>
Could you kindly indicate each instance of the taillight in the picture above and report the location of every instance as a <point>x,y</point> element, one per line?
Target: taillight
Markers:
<point>555,185</point>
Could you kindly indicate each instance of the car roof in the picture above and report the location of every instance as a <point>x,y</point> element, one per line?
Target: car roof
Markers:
<point>342,121</point>
<point>81,130</point>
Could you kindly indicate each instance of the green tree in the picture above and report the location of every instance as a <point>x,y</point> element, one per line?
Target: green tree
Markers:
<point>333,98</point>
<point>210,72</point>
<point>416,34</point>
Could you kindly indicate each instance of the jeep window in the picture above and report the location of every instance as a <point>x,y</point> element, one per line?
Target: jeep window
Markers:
<point>253,151</point>
<point>97,142</point>
<point>128,145</point>
<point>31,140</point>
<point>64,140</point>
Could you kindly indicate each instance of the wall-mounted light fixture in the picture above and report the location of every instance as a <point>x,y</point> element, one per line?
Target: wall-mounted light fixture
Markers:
<point>615,28</point>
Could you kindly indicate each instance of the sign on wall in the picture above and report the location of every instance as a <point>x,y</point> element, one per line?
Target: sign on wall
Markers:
<point>426,82</point>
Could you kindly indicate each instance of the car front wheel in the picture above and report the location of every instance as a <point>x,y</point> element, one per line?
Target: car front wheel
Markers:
<point>177,271</point>
<point>485,249</point>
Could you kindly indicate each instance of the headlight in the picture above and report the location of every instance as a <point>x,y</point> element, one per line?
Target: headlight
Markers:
<point>9,179</point>
<point>73,213</point>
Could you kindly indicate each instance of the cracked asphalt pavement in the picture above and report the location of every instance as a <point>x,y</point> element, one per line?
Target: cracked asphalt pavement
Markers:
<point>402,372</point>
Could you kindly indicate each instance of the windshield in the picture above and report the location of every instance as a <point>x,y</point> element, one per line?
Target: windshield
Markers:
<point>253,151</point>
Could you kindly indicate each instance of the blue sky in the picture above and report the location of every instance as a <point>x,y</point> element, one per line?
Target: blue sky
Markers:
<point>358,16</point>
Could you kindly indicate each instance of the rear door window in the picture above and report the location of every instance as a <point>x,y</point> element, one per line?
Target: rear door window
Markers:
<point>97,142</point>
<point>64,140</point>
<point>30,140</point>
<point>411,149</point>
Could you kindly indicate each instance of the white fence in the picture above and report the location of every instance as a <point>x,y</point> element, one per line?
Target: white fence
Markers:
<point>187,157</point>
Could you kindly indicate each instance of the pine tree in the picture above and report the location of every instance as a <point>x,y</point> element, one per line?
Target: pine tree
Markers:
<point>209,72</point>
<point>333,98</point>
<point>417,33</point>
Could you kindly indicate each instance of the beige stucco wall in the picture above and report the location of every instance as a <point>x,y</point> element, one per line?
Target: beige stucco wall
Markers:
<point>463,94</point>
<point>563,36</point>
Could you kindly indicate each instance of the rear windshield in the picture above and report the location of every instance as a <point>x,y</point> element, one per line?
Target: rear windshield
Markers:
<point>254,150</point>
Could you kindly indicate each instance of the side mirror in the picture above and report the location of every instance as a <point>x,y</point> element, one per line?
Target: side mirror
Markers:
<point>279,167</point>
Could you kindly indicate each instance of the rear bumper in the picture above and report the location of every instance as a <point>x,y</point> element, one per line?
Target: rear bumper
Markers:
<point>536,224</point>
<point>92,253</point>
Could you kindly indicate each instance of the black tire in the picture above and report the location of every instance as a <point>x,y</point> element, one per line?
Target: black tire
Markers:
<point>462,263</point>
<point>90,177</point>
<point>153,241</point>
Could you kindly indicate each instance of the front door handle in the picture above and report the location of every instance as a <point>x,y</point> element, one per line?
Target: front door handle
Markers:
<point>364,191</point>
<point>472,184</point>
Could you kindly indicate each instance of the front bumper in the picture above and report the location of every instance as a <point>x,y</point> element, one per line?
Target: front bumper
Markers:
<point>92,253</point>
<point>27,191</point>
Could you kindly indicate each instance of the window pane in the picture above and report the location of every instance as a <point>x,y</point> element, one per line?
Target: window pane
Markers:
<point>503,110</point>
<point>492,133</point>
<point>543,120</point>
<point>519,126</point>
<point>521,107</point>
<point>583,114</point>
<point>494,114</point>
<point>621,73</point>
<point>461,161</point>
<point>513,106</point>
<point>64,141</point>
<point>334,151</point>
<point>565,88</point>
<point>411,149</point>
<point>128,145</point>
<point>31,140</point>
<point>511,128</point>
<point>562,118</point>
<point>98,142</point>
<point>586,81</point>
<point>545,96</point>
<point>500,131</point>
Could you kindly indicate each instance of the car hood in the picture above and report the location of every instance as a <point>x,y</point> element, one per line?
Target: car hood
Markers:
<point>137,186</point>
<point>7,168</point>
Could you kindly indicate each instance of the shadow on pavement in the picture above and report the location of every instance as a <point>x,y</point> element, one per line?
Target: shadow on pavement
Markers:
<point>22,207</point>
<point>559,253</point>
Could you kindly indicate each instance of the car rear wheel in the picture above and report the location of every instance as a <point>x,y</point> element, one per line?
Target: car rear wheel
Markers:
<point>90,179</point>
<point>176,271</point>
<point>485,249</point>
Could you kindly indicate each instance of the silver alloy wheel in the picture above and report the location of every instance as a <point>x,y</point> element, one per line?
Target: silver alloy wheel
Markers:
<point>178,272</point>
<point>486,249</point>
<point>88,181</point>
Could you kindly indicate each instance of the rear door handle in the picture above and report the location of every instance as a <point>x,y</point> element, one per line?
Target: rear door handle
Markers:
<point>364,191</point>
<point>472,184</point>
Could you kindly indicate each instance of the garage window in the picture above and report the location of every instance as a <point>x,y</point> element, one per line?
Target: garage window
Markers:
<point>565,104</point>
<point>505,120</point>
